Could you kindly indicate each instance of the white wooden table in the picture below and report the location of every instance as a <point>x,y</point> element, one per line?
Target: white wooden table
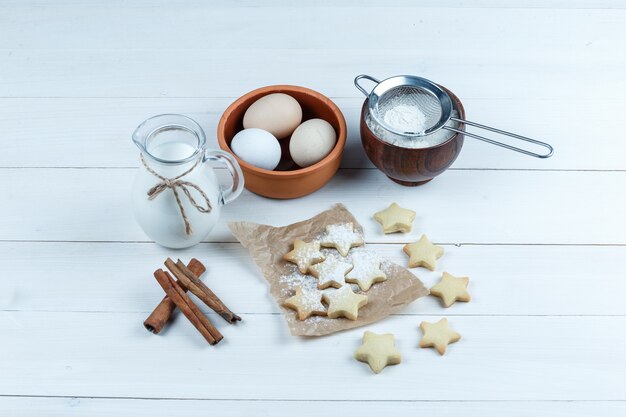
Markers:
<point>544,241</point>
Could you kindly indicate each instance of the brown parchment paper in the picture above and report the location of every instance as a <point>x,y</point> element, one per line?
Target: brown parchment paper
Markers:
<point>267,245</point>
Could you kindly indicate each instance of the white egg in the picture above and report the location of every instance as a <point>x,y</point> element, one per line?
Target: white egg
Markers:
<point>311,142</point>
<point>257,147</point>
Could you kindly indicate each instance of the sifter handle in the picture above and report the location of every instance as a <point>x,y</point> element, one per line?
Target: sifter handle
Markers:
<point>504,133</point>
<point>367,77</point>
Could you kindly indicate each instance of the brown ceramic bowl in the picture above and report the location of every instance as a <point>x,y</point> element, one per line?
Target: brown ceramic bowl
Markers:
<point>288,180</point>
<point>407,166</point>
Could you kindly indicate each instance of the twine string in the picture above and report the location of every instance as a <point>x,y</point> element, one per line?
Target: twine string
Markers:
<point>174,184</point>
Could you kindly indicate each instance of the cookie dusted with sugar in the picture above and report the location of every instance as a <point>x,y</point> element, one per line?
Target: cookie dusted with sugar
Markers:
<point>395,219</point>
<point>343,302</point>
<point>304,254</point>
<point>307,303</point>
<point>366,270</point>
<point>378,351</point>
<point>451,289</point>
<point>330,273</point>
<point>341,237</point>
<point>423,253</point>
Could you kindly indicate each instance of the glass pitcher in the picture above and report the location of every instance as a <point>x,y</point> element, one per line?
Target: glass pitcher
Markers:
<point>176,195</point>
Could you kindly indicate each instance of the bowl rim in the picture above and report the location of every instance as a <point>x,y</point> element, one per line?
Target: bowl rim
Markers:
<point>284,88</point>
<point>455,99</point>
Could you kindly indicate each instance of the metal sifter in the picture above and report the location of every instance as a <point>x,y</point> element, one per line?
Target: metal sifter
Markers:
<point>435,105</point>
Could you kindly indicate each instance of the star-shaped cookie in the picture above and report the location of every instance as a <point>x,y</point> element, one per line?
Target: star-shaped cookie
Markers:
<point>330,273</point>
<point>343,302</point>
<point>395,219</point>
<point>307,302</point>
<point>341,237</point>
<point>366,270</point>
<point>438,335</point>
<point>378,351</point>
<point>423,253</point>
<point>451,289</point>
<point>304,254</point>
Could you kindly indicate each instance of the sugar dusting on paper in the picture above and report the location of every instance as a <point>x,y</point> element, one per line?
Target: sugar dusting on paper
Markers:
<point>267,245</point>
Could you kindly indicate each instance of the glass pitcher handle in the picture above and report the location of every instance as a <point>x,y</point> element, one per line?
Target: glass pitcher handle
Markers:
<point>227,194</point>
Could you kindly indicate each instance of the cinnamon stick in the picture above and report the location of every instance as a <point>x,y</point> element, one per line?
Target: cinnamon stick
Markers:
<point>200,290</point>
<point>187,307</point>
<point>157,320</point>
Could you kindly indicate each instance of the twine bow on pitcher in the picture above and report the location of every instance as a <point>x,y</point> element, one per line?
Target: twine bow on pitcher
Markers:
<point>173,184</point>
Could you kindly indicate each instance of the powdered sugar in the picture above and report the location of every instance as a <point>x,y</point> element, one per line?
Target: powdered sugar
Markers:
<point>366,270</point>
<point>368,266</point>
<point>365,263</point>
<point>294,279</point>
<point>405,118</point>
<point>411,142</point>
<point>341,236</point>
<point>311,299</point>
<point>331,272</point>
<point>305,254</point>
<point>268,245</point>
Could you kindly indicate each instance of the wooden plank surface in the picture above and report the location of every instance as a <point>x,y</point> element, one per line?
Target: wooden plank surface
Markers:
<point>505,280</point>
<point>106,407</point>
<point>202,26</point>
<point>542,240</point>
<point>112,355</point>
<point>457,207</point>
<point>465,4</point>
<point>57,128</point>
<point>122,72</point>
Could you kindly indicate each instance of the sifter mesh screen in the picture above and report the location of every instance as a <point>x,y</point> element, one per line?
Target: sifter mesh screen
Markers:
<point>424,100</point>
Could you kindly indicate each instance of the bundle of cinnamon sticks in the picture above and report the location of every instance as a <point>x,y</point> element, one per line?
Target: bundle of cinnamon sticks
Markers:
<point>187,279</point>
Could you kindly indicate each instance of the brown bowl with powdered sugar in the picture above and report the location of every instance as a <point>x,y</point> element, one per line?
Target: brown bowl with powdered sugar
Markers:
<point>410,161</point>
